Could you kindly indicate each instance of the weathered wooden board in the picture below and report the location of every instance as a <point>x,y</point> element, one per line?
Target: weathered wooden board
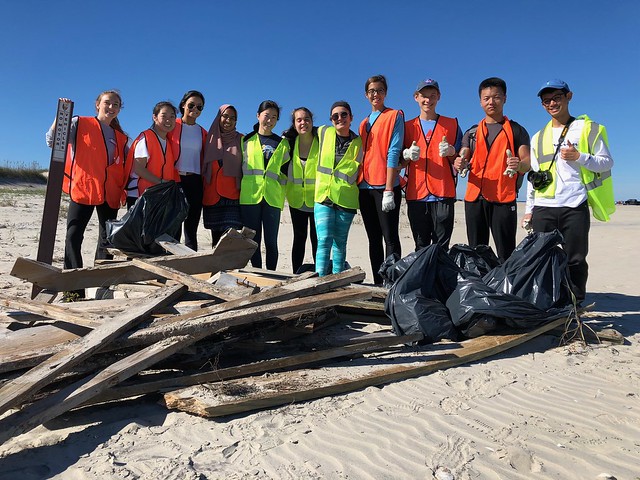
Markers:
<point>233,251</point>
<point>193,284</point>
<point>356,348</point>
<point>21,388</point>
<point>82,391</point>
<point>253,393</point>
<point>64,313</point>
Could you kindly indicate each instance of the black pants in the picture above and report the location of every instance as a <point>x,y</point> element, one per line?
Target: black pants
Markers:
<point>302,223</point>
<point>574,225</point>
<point>501,219</point>
<point>380,225</point>
<point>193,190</point>
<point>431,222</point>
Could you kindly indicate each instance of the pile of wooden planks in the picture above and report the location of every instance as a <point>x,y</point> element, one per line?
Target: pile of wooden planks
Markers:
<point>240,340</point>
<point>56,357</point>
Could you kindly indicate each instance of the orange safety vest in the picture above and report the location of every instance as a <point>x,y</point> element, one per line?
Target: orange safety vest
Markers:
<point>221,186</point>
<point>174,138</point>
<point>161,164</point>
<point>89,177</point>
<point>431,174</point>
<point>375,145</point>
<point>488,165</point>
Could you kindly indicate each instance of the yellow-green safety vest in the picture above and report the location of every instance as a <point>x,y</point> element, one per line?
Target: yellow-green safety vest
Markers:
<point>259,182</point>
<point>599,185</point>
<point>301,181</point>
<point>338,182</point>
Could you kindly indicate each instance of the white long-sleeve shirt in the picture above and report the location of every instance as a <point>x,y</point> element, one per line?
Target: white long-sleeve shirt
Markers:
<point>570,191</point>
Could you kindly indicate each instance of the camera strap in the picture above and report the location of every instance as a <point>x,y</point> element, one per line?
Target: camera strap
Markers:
<point>563,134</point>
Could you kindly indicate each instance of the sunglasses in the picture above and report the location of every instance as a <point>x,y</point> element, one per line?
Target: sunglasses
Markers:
<point>191,106</point>
<point>337,116</point>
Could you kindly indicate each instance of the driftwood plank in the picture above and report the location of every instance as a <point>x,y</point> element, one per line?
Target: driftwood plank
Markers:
<point>20,389</point>
<point>82,391</point>
<point>56,312</point>
<point>356,348</point>
<point>192,283</point>
<point>233,251</point>
<point>173,246</point>
<point>283,388</point>
<point>160,328</point>
<point>184,324</point>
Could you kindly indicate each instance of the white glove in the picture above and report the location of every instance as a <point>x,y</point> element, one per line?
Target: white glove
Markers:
<point>510,171</point>
<point>388,203</point>
<point>446,150</point>
<point>412,153</point>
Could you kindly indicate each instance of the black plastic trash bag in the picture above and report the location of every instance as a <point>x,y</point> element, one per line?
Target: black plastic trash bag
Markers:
<point>416,301</point>
<point>477,308</point>
<point>479,260</point>
<point>160,209</point>
<point>536,271</point>
<point>394,266</point>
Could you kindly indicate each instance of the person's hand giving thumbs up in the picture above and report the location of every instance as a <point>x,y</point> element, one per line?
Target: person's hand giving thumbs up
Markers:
<point>446,150</point>
<point>412,153</point>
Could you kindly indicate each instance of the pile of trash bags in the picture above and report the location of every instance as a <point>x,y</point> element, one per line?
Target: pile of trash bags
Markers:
<point>466,293</point>
<point>160,209</point>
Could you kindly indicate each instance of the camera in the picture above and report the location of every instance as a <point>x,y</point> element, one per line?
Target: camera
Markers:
<point>540,180</point>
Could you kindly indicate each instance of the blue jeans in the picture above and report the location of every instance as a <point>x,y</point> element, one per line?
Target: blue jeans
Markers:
<point>263,217</point>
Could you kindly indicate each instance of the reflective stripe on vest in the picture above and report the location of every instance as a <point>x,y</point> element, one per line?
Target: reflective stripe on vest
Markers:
<point>338,182</point>
<point>257,182</point>
<point>302,181</point>
<point>599,186</point>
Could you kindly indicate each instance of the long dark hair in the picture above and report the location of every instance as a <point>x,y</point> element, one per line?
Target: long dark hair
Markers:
<point>291,133</point>
<point>187,96</point>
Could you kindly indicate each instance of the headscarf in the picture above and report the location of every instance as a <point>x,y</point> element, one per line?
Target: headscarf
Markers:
<point>224,147</point>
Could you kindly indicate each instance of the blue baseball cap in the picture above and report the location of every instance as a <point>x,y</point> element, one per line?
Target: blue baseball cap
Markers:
<point>429,82</point>
<point>554,84</point>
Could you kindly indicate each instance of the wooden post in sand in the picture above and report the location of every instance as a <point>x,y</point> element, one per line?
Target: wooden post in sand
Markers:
<point>54,186</point>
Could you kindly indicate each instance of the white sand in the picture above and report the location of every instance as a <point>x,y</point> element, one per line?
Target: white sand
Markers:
<point>537,411</point>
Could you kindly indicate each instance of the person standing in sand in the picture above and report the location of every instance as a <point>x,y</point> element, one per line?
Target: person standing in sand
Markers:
<point>382,133</point>
<point>571,170</point>
<point>94,175</point>
<point>498,155</point>
<point>222,174</point>
<point>187,141</point>
<point>336,190</point>
<point>431,142</point>
<point>301,182</point>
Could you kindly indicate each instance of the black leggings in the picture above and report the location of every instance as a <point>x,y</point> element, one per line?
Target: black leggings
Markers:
<point>302,222</point>
<point>78,218</point>
<point>380,225</point>
<point>192,188</point>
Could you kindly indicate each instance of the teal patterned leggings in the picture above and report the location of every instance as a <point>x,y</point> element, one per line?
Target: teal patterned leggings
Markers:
<point>332,227</point>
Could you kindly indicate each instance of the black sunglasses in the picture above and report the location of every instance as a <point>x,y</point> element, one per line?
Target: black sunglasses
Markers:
<point>336,116</point>
<point>191,106</point>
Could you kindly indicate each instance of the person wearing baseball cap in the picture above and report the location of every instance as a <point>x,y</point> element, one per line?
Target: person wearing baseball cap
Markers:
<point>496,152</point>
<point>431,142</point>
<point>571,170</point>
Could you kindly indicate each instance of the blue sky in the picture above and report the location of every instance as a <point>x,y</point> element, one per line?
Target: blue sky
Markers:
<point>313,53</point>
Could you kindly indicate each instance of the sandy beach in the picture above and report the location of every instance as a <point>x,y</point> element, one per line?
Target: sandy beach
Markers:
<point>538,411</point>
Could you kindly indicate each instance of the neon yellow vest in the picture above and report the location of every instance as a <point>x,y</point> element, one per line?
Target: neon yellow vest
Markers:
<point>599,186</point>
<point>258,182</point>
<point>301,182</point>
<point>338,182</point>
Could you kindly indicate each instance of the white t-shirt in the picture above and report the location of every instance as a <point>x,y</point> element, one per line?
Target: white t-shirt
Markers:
<point>141,147</point>
<point>570,192</point>
<point>190,149</point>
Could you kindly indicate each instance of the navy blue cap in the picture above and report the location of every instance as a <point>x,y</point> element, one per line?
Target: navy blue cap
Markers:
<point>554,84</point>
<point>429,82</point>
